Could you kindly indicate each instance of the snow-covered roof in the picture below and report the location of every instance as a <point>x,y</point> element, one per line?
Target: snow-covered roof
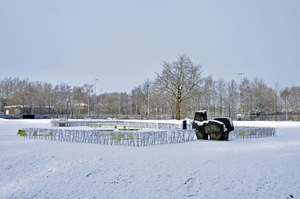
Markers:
<point>16,106</point>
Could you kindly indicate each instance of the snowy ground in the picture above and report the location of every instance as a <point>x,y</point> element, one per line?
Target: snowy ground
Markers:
<point>242,168</point>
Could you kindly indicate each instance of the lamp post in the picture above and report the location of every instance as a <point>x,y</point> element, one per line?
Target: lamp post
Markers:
<point>286,114</point>
<point>22,105</point>
<point>119,105</point>
<point>241,74</point>
<point>95,94</point>
<point>89,105</point>
<point>148,98</point>
<point>241,103</point>
<point>100,103</point>
<point>49,105</point>
<point>100,96</point>
<point>95,86</point>
<point>90,92</point>
<point>67,107</point>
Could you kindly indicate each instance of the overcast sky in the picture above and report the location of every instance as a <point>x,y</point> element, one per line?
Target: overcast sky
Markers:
<point>123,43</point>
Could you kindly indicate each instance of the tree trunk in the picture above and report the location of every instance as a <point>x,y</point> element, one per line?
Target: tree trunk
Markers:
<point>177,109</point>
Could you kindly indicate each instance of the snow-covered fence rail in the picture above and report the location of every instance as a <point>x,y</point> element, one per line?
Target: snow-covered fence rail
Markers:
<point>119,123</point>
<point>252,132</point>
<point>143,138</point>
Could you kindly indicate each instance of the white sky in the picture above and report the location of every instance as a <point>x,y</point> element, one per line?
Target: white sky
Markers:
<point>122,43</point>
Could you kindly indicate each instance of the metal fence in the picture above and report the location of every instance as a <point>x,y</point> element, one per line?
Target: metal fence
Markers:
<point>119,123</point>
<point>252,132</point>
<point>142,138</point>
<point>158,133</point>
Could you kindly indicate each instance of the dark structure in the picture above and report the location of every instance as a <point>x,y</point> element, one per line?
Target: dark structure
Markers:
<point>228,124</point>
<point>218,128</point>
<point>200,121</point>
<point>28,116</point>
<point>200,116</point>
<point>184,124</point>
<point>215,130</point>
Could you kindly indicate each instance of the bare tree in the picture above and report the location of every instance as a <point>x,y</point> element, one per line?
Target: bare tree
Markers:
<point>8,88</point>
<point>245,96</point>
<point>257,86</point>
<point>176,92</point>
<point>47,91</point>
<point>232,97</point>
<point>178,80</point>
<point>78,99</point>
<point>295,94</point>
<point>125,104</point>
<point>145,93</point>
<point>1,97</point>
<point>136,100</point>
<point>23,95</point>
<point>276,97</point>
<point>87,89</point>
<point>263,98</point>
<point>112,101</point>
<point>157,103</point>
<point>61,94</point>
<point>284,94</point>
<point>220,95</point>
<point>208,92</point>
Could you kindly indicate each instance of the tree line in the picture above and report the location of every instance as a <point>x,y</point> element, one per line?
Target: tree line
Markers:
<point>176,92</point>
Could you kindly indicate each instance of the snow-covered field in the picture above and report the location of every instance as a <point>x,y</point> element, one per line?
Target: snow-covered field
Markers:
<point>241,168</point>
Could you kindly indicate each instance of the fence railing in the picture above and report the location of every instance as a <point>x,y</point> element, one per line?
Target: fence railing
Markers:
<point>119,123</point>
<point>252,132</point>
<point>159,133</point>
<point>142,138</point>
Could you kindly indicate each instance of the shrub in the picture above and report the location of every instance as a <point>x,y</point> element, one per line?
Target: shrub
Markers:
<point>21,132</point>
<point>130,137</point>
<point>253,133</point>
<point>117,137</point>
<point>242,133</point>
<point>114,138</point>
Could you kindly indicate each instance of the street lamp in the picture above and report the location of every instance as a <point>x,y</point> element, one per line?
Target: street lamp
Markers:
<point>241,74</point>
<point>241,103</point>
<point>49,105</point>
<point>148,98</point>
<point>95,86</point>
<point>67,108</point>
<point>100,103</point>
<point>119,104</point>
<point>95,94</point>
